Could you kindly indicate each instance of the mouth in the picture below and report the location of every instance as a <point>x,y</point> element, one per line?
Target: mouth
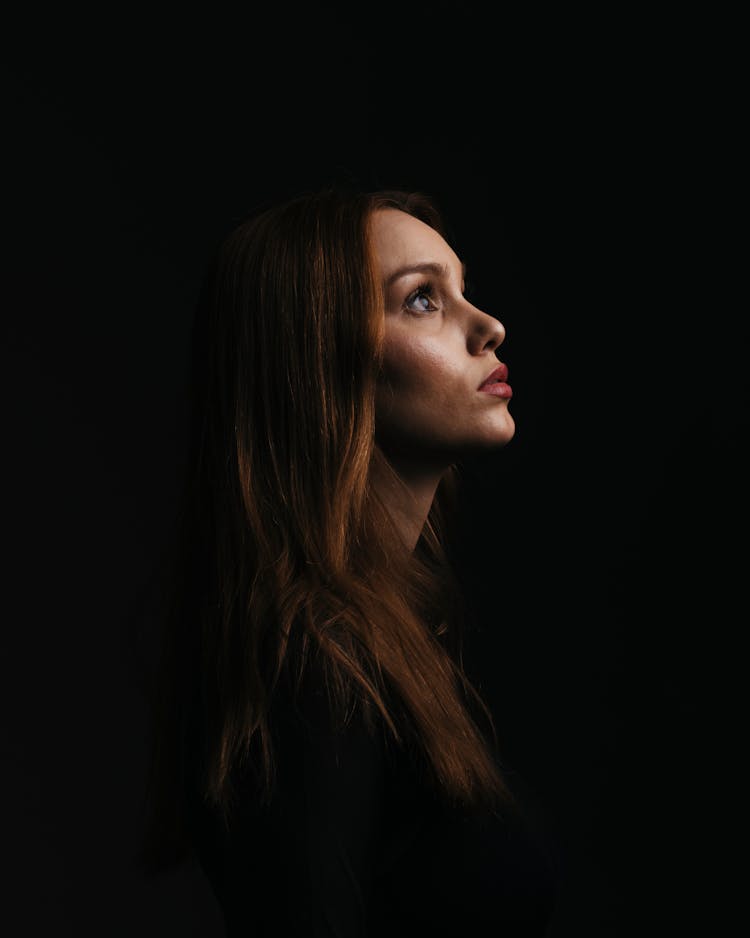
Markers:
<point>496,383</point>
<point>498,376</point>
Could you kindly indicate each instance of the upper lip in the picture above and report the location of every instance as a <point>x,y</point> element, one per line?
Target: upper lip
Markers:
<point>498,374</point>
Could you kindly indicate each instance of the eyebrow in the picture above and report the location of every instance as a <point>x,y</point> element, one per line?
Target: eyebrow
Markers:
<point>426,267</point>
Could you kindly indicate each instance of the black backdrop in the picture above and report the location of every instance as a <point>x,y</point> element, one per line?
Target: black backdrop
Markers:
<point>584,165</point>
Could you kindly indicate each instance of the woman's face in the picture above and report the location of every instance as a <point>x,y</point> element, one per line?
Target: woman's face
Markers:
<point>438,351</point>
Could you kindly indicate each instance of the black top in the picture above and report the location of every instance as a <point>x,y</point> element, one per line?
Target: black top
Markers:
<point>354,845</point>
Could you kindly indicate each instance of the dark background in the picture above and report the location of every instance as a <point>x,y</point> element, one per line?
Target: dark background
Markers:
<point>585,164</point>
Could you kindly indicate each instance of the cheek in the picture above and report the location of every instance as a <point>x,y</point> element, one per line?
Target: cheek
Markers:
<point>421,397</point>
<point>417,367</point>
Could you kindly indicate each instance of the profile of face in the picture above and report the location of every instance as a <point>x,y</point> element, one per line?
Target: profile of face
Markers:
<point>439,349</point>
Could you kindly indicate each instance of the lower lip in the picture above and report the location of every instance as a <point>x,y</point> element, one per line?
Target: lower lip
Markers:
<point>498,389</point>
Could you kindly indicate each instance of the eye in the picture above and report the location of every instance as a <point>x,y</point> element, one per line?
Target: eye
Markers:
<point>419,300</point>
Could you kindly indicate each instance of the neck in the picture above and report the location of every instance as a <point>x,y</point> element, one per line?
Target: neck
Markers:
<point>408,495</point>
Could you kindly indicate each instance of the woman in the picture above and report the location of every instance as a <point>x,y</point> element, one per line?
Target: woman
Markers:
<point>317,740</point>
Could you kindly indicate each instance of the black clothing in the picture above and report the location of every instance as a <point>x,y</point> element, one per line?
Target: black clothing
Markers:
<point>353,846</point>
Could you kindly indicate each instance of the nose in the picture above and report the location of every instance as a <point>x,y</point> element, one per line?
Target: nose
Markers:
<point>484,332</point>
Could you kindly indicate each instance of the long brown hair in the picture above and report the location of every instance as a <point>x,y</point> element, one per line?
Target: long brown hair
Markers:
<point>283,542</point>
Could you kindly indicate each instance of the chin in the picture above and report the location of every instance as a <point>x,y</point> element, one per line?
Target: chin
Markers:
<point>506,431</point>
<point>487,443</point>
<point>508,435</point>
<point>502,439</point>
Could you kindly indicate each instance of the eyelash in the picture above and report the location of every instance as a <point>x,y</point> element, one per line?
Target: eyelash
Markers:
<point>424,289</point>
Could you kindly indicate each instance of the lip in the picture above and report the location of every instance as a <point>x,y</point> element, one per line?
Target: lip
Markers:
<point>496,383</point>
<point>499,374</point>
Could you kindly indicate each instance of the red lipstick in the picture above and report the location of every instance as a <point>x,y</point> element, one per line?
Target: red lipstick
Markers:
<point>496,383</point>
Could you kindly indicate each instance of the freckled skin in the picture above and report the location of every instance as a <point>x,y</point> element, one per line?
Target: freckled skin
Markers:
<point>428,409</point>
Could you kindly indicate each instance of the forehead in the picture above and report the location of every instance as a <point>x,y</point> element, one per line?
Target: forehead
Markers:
<point>399,239</point>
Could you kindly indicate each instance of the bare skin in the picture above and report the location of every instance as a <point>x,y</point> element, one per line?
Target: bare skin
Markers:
<point>438,349</point>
